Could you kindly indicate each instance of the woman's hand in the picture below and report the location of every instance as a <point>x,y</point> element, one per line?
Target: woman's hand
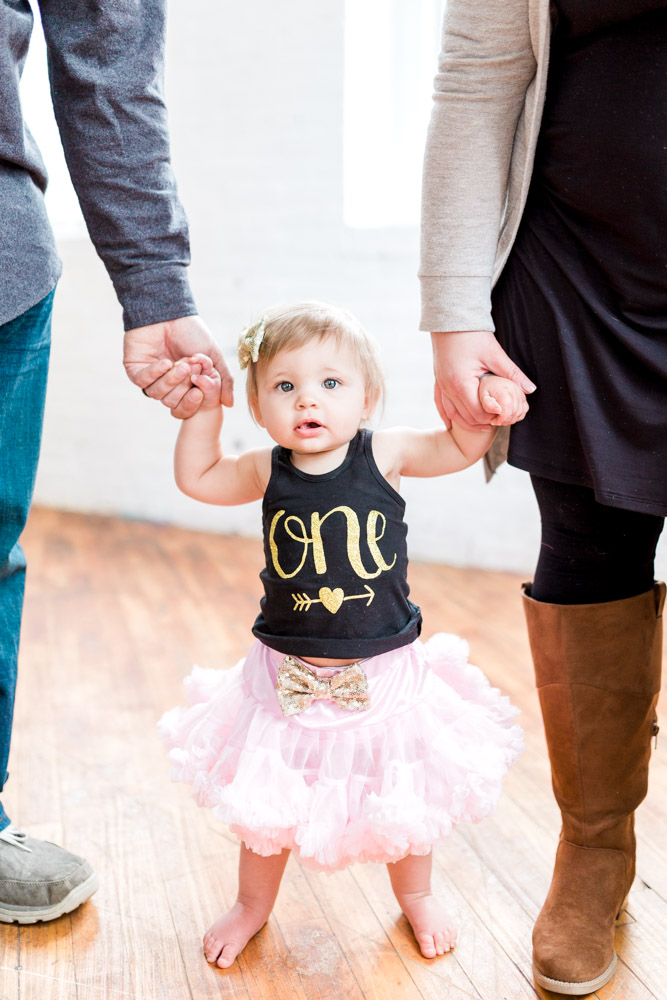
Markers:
<point>459,359</point>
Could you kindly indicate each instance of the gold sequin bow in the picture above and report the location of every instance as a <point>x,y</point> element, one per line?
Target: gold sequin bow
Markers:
<point>250,342</point>
<point>297,687</point>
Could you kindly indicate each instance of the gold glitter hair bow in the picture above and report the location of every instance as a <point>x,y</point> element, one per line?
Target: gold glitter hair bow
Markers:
<point>297,687</point>
<point>250,342</point>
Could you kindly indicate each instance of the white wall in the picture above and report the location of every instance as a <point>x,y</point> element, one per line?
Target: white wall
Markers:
<point>256,99</point>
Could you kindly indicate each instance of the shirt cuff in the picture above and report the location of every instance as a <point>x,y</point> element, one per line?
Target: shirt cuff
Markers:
<point>154,294</point>
<point>455,302</point>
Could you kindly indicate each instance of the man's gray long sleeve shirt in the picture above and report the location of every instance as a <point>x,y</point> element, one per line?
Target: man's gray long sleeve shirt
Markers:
<point>106,61</point>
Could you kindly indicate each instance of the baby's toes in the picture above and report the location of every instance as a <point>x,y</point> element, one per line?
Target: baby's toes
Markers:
<point>441,941</point>
<point>228,956</point>
<point>211,947</point>
<point>427,945</point>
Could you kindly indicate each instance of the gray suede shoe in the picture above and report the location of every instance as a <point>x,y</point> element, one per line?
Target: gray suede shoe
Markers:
<point>39,880</point>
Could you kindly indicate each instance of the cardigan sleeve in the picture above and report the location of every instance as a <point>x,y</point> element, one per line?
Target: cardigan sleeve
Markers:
<point>485,67</point>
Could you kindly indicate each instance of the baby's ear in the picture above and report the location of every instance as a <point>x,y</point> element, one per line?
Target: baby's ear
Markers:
<point>370,403</point>
<point>256,412</point>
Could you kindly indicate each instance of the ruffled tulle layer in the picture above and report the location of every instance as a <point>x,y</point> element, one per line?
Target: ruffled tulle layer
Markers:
<point>338,786</point>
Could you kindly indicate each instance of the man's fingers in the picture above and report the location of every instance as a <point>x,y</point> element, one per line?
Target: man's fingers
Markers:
<point>173,399</point>
<point>150,351</point>
<point>144,375</point>
<point>218,360</point>
<point>178,376</point>
<point>189,404</point>
<point>227,390</point>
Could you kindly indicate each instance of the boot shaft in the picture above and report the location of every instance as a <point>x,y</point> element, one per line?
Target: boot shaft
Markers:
<point>598,675</point>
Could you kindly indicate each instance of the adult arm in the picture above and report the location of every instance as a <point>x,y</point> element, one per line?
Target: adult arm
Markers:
<point>485,67</point>
<point>106,62</point>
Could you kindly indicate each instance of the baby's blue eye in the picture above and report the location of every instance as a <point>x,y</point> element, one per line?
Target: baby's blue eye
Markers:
<point>330,383</point>
<point>285,386</point>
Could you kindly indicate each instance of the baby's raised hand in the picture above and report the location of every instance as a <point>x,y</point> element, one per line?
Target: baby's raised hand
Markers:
<point>207,378</point>
<point>503,399</point>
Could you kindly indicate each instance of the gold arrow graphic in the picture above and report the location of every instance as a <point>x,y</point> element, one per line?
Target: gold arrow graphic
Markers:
<point>370,594</point>
<point>331,599</point>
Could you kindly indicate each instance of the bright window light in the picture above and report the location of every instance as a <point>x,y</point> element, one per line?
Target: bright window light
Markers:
<point>61,201</point>
<point>391,50</point>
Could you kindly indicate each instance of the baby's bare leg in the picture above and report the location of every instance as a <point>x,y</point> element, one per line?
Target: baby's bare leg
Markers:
<point>431,924</point>
<point>259,881</point>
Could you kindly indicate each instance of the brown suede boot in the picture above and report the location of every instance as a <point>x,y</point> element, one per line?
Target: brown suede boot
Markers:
<point>598,675</point>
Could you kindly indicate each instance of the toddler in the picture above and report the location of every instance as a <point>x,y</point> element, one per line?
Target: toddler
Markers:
<point>340,736</point>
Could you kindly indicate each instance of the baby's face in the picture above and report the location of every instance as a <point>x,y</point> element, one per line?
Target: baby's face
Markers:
<point>312,399</point>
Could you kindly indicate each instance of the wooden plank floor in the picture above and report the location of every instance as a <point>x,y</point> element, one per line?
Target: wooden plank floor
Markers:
<point>116,613</point>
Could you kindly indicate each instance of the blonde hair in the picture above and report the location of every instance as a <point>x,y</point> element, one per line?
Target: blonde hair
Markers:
<point>292,326</point>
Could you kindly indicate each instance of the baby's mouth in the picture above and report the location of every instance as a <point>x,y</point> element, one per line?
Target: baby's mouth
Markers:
<point>308,426</point>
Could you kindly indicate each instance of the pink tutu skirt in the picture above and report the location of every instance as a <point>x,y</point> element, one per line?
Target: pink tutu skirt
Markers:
<point>339,786</point>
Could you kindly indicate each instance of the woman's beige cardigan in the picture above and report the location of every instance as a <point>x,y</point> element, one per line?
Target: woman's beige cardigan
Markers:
<point>488,100</point>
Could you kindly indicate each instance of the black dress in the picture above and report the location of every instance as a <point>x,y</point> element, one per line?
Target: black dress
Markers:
<point>581,305</point>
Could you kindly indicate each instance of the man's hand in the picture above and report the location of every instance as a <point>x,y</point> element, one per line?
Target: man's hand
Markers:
<point>459,359</point>
<point>149,356</point>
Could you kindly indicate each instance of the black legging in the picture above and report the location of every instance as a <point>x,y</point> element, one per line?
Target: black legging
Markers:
<point>590,552</point>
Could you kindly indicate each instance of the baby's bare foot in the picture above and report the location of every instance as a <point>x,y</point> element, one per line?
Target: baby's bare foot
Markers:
<point>432,926</point>
<point>229,935</point>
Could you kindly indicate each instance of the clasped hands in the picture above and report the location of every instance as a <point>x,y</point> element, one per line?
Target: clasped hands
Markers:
<point>464,392</point>
<point>179,363</point>
<point>166,360</point>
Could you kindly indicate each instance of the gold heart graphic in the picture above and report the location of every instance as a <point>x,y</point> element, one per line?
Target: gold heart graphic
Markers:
<point>332,599</point>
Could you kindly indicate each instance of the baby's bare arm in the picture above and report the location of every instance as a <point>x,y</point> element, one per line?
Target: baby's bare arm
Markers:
<point>404,451</point>
<point>201,469</point>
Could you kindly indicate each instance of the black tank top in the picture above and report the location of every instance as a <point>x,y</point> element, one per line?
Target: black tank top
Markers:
<point>336,560</point>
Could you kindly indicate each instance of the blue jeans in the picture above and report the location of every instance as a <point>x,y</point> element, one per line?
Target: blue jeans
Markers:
<point>24,361</point>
